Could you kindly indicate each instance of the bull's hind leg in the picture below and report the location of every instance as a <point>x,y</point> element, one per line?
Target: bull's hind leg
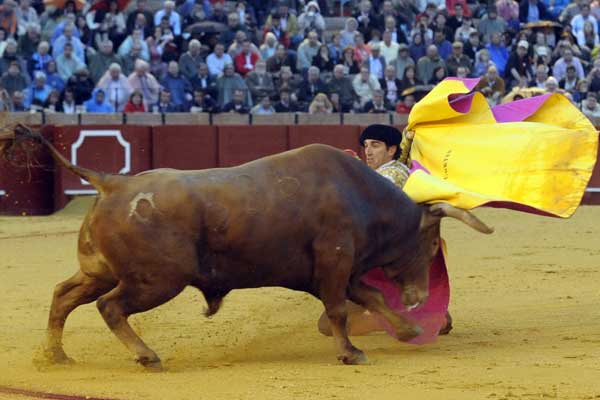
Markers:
<point>68,295</point>
<point>372,299</point>
<point>134,297</point>
<point>332,272</point>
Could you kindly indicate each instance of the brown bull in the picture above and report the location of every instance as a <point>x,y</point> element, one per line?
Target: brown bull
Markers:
<point>312,219</point>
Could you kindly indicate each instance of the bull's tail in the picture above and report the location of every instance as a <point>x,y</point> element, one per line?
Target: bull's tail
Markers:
<point>22,132</point>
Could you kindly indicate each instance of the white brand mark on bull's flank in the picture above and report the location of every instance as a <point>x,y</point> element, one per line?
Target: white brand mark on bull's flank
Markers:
<point>133,204</point>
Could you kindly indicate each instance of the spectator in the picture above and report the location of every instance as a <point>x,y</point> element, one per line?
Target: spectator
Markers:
<point>541,75</point>
<point>421,28</point>
<point>570,82</point>
<point>335,48</point>
<point>320,105</point>
<point>541,50</point>
<point>444,46</point>
<point>439,24</point>
<point>389,49</point>
<point>556,7</point>
<point>366,18</point>
<point>67,63</point>
<point>498,53</point>
<point>307,50</point>
<point>68,104</point>
<point>58,47</point>
<point>462,72</point>
<point>560,66</point>
<point>594,76</point>
<point>426,65</point>
<point>98,103</point>
<point>173,18</point>
<point>246,60</point>
<point>342,85</point>
<point>130,59</point>
<point>191,60</point>
<point>406,105</point>
<point>59,29</point>
<point>578,24</point>
<point>53,78</point>
<point>9,55</point>
<point>390,85</point>
<point>40,59</point>
<point>165,103</point>
<point>229,82</point>
<point>203,80</point>
<point>114,23</point>
<point>264,107</point>
<point>570,11</point>
<point>402,61</point>
<point>457,20</point>
<point>234,27</point>
<point>288,82</point>
<point>375,63</point>
<point>378,105</point>
<point>464,31</point>
<point>29,41</point>
<point>310,87</point>
<point>490,24</point>
<point>518,65</point>
<point>133,17</point>
<point>136,39</point>
<point>203,102</point>
<point>323,59</point>
<point>236,104</point>
<point>142,23</point>
<point>116,87</point>
<point>17,103</point>
<point>178,86</point>
<point>396,34</point>
<point>588,40</point>
<point>492,86</point>
<point>409,80</point>
<point>364,85</point>
<point>311,19</point>
<point>533,11</point>
<point>38,91</point>
<point>81,85</point>
<point>26,19</point>
<point>14,80</point>
<point>439,74</point>
<point>285,104</point>
<point>473,46</point>
<point>351,66</point>
<point>417,48</point>
<point>362,51</point>
<point>135,103</point>
<point>482,63</point>
<point>143,81</point>
<point>551,85</point>
<point>458,59</point>
<point>348,33</point>
<point>8,17</point>
<point>279,59</point>
<point>100,61</point>
<point>276,30</point>
<point>268,48</point>
<point>259,82</point>
<point>53,103</point>
<point>388,11</point>
<point>216,60</point>
<point>581,93</point>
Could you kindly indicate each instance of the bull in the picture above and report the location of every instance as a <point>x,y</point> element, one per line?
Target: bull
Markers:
<point>312,219</point>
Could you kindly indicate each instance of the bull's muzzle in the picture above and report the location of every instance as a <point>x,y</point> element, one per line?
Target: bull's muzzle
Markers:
<point>413,297</point>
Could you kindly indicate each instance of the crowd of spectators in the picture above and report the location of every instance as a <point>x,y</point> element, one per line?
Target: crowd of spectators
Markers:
<point>262,57</point>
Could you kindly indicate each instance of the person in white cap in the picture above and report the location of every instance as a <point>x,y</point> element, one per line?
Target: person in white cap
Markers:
<point>518,66</point>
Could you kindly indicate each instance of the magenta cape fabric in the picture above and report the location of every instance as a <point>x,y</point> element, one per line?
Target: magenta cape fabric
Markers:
<point>431,316</point>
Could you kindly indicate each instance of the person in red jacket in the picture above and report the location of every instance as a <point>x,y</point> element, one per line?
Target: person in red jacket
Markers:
<point>246,60</point>
<point>135,103</point>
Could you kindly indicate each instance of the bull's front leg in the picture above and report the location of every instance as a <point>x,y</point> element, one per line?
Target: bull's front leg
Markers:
<point>373,300</point>
<point>332,271</point>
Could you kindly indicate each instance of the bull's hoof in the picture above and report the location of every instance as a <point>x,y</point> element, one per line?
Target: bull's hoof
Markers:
<point>409,333</point>
<point>151,364</point>
<point>356,357</point>
<point>448,327</point>
<point>50,356</point>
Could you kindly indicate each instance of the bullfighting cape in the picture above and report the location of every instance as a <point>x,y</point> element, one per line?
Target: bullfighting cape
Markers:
<point>534,155</point>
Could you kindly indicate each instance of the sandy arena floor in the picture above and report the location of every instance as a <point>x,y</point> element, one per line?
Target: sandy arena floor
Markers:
<point>526,308</point>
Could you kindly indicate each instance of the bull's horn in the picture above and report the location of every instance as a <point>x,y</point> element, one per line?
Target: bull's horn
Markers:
<point>448,210</point>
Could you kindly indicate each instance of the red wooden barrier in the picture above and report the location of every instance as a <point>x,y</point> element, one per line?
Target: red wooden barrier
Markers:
<point>112,148</point>
<point>26,182</point>
<point>240,144</point>
<point>184,147</point>
<point>342,137</point>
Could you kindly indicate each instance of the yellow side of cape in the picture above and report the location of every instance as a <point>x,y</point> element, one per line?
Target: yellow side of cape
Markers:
<point>544,162</point>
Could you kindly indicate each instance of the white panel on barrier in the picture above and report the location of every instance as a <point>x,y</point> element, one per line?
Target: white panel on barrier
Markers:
<point>2,193</point>
<point>76,192</point>
<point>100,133</point>
<point>593,190</point>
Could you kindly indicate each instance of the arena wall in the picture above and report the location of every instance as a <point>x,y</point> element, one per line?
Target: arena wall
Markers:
<point>138,142</point>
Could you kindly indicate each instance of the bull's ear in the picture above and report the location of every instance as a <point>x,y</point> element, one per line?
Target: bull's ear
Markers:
<point>447,210</point>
